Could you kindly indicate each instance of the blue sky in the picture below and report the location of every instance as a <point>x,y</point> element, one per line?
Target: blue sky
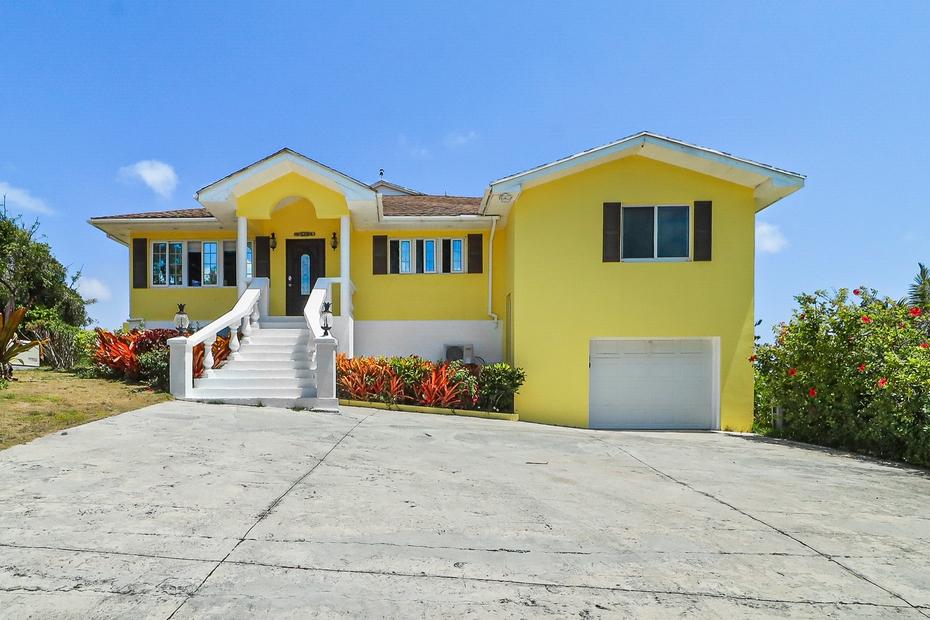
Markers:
<point>446,97</point>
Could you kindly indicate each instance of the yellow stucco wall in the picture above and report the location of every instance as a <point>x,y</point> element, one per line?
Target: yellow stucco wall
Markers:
<point>299,216</point>
<point>564,294</point>
<point>419,296</point>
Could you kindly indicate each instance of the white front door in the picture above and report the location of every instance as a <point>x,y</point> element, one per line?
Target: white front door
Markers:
<point>652,384</point>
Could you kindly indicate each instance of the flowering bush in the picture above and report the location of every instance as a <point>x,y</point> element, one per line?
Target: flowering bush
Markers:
<point>413,380</point>
<point>850,371</point>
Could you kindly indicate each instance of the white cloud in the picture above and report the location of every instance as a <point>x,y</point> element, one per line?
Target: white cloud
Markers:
<point>20,199</point>
<point>769,238</point>
<point>459,138</point>
<point>159,176</point>
<point>92,288</point>
<point>412,148</point>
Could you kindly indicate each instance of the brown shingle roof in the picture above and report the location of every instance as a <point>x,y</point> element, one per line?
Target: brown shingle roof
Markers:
<point>155,215</point>
<point>430,205</point>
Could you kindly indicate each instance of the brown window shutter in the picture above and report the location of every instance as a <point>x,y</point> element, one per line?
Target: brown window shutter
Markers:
<point>419,256</point>
<point>703,229</point>
<point>262,257</point>
<point>394,262</point>
<point>611,232</point>
<point>379,262</point>
<point>475,253</point>
<point>140,263</point>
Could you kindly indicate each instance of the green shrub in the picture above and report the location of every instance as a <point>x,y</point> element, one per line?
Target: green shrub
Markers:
<point>65,346</point>
<point>154,368</point>
<point>498,384</point>
<point>850,371</point>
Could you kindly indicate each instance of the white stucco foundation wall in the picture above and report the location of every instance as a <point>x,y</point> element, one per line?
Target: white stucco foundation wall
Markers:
<point>428,338</point>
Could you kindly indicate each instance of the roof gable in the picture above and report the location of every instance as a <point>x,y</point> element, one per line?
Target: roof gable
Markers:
<point>769,183</point>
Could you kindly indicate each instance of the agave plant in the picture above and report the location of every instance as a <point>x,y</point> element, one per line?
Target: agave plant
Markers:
<point>10,345</point>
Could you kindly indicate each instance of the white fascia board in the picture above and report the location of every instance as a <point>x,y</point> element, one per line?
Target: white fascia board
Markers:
<point>151,220</point>
<point>223,190</point>
<point>430,222</point>
<point>619,148</point>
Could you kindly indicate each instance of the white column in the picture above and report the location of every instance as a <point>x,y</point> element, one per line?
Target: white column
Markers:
<point>345,275</point>
<point>242,238</point>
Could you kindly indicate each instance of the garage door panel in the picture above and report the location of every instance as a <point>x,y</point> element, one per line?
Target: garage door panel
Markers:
<point>662,384</point>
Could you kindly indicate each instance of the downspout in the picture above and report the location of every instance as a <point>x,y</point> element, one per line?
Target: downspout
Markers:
<point>491,270</point>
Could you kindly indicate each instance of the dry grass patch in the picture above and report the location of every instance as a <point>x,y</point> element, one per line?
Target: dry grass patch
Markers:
<point>45,401</point>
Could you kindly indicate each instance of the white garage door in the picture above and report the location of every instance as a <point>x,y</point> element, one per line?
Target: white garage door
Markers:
<point>652,384</point>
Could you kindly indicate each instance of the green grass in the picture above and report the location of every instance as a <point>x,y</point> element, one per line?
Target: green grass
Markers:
<point>44,401</point>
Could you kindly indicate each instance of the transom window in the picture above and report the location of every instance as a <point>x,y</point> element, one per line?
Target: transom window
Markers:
<point>655,232</point>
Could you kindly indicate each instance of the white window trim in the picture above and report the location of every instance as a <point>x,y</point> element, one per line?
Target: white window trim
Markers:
<point>436,250</point>
<point>184,264</point>
<point>464,268</point>
<point>219,263</point>
<point>655,235</point>
<point>412,262</point>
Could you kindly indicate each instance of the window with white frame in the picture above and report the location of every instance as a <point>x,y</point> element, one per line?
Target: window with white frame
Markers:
<point>660,232</point>
<point>427,256</point>
<point>458,256</point>
<point>195,263</point>
<point>248,260</point>
<point>168,263</point>
<point>406,252</point>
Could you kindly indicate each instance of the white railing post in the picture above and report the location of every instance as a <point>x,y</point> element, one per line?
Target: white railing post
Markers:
<point>326,373</point>
<point>208,356</point>
<point>181,367</point>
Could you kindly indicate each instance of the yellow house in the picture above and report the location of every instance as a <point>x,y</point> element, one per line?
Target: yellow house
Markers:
<point>619,278</point>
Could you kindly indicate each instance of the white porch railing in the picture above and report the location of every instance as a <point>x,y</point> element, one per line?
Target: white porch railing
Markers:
<point>244,315</point>
<point>322,346</point>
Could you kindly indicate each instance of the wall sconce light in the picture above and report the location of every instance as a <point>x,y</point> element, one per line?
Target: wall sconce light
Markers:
<point>334,241</point>
<point>272,243</point>
<point>326,317</point>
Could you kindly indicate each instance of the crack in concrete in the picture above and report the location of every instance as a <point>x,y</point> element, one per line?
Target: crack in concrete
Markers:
<point>548,585</point>
<point>826,556</point>
<point>262,515</point>
<point>153,556</point>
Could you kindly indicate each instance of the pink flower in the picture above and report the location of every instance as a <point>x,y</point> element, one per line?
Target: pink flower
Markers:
<point>925,345</point>
<point>861,367</point>
<point>866,319</point>
<point>857,292</point>
<point>882,382</point>
<point>792,372</point>
<point>915,311</point>
<point>812,392</point>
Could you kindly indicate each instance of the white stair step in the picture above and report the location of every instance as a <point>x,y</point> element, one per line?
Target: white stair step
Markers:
<point>284,356</point>
<point>280,334</point>
<point>251,394</point>
<point>272,364</point>
<point>254,383</point>
<point>265,374</point>
<point>274,349</point>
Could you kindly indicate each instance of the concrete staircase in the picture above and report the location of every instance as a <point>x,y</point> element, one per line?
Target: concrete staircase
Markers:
<point>273,368</point>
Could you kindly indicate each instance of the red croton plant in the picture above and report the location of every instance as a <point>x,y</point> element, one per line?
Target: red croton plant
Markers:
<point>120,351</point>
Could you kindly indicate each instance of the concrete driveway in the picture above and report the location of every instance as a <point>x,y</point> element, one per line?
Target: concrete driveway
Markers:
<point>184,510</point>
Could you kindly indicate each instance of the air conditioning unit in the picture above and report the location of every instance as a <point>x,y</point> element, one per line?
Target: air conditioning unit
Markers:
<point>463,352</point>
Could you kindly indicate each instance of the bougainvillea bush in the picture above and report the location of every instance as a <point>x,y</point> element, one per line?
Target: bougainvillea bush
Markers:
<point>415,381</point>
<point>849,370</point>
